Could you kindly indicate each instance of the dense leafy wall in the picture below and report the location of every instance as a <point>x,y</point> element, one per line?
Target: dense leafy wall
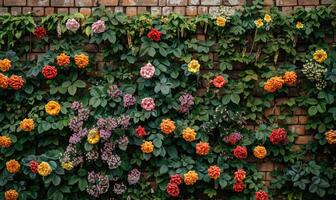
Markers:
<point>89,118</point>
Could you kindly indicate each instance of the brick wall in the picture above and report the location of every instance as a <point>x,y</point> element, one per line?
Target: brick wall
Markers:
<point>134,7</point>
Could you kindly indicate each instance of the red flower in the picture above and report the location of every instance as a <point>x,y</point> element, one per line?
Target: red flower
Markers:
<point>278,135</point>
<point>261,195</point>
<point>33,165</point>
<point>218,81</point>
<point>154,35</point>
<point>173,189</point>
<point>176,179</point>
<point>49,72</point>
<point>40,32</point>
<point>240,152</point>
<point>140,131</point>
<point>238,186</point>
<point>240,175</point>
<point>16,82</point>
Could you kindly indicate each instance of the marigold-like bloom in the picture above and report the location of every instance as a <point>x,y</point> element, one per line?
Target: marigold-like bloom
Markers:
<point>189,134</point>
<point>214,172</point>
<point>299,25</point>
<point>261,195</point>
<point>63,60</point>
<point>259,23</point>
<point>278,135</point>
<point>290,78</point>
<point>44,169</point>
<point>240,152</point>
<point>11,194</point>
<point>5,141</point>
<point>176,179</point>
<point>238,186</point>
<point>202,148</point>
<point>13,166</point>
<point>167,126</point>
<point>273,84</point>
<point>260,152</point>
<point>52,108</point>
<point>27,124</point>
<point>320,56</point>
<point>5,65</point>
<point>173,189</point>
<point>240,175</point>
<point>194,66</point>
<point>190,177</point>
<point>67,165</point>
<point>140,131</point>
<point>330,136</point>
<point>267,18</point>
<point>218,81</point>
<point>4,81</point>
<point>148,104</point>
<point>33,165</point>
<point>49,72</point>
<point>93,136</point>
<point>16,82</point>
<point>147,147</point>
<point>81,61</point>
<point>220,21</point>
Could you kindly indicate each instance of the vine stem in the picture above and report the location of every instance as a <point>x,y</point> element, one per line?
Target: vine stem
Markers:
<point>255,34</point>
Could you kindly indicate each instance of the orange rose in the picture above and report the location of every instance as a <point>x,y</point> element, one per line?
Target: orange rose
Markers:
<point>63,60</point>
<point>5,141</point>
<point>190,177</point>
<point>189,134</point>
<point>240,175</point>
<point>11,194</point>
<point>81,60</point>
<point>16,82</point>
<point>290,78</point>
<point>260,152</point>
<point>273,84</point>
<point>330,136</point>
<point>27,125</point>
<point>214,172</point>
<point>167,126</point>
<point>202,148</point>
<point>5,65</point>
<point>218,81</point>
<point>147,147</point>
<point>4,81</point>
<point>13,166</point>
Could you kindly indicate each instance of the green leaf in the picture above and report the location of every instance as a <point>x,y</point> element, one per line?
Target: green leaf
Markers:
<point>82,184</point>
<point>79,84</point>
<point>235,98</point>
<point>163,169</point>
<point>72,90</point>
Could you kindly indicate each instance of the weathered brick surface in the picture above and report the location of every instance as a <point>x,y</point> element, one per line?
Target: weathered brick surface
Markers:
<point>286,2</point>
<point>62,3</point>
<point>308,2</point>
<point>14,2</point>
<point>38,2</point>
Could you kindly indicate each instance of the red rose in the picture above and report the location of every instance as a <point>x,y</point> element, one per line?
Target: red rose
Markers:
<point>218,81</point>
<point>16,82</point>
<point>140,131</point>
<point>49,72</point>
<point>173,189</point>
<point>176,179</point>
<point>261,195</point>
<point>154,35</point>
<point>40,32</point>
<point>240,152</point>
<point>33,166</point>
<point>278,135</point>
<point>238,186</point>
<point>240,175</point>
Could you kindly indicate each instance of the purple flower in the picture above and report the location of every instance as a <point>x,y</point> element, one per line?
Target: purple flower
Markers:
<point>233,138</point>
<point>129,100</point>
<point>101,123</point>
<point>92,155</point>
<point>119,188</point>
<point>186,101</point>
<point>72,25</point>
<point>76,105</point>
<point>114,91</point>
<point>124,121</point>
<point>105,134</point>
<point>98,26</point>
<point>133,176</point>
<point>98,184</point>
<point>112,123</point>
<point>112,160</point>
<point>75,124</point>
<point>83,114</point>
<point>123,142</point>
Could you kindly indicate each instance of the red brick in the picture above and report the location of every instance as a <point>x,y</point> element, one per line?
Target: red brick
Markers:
<point>303,139</point>
<point>49,10</point>
<point>268,176</point>
<point>191,10</point>
<point>180,10</point>
<point>62,3</point>
<point>298,129</point>
<point>210,2</point>
<point>84,3</point>
<point>272,111</point>
<point>38,11</point>
<point>286,2</point>
<point>280,101</point>
<point>303,119</point>
<point>15,10</point>
<point>308,2</point>
<point>131,11</point>
<point>266,166</point>
<point>142,9</point>
<point>14,2</point>
<point>299,111</point>
<point>26,10</point>
<point>63,10</point>
<point>177,2</point>
<point>38,2</point>
<point>263,175</point>
<point>139,2</point>
<point>85,11</point>
<point>292,120</point>
<point>202,10</point>
<point>109,2</point>
<point>200,37</point>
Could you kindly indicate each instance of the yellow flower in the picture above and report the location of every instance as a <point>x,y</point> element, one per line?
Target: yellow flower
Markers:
<point>81,60</point>
<point>44,169</point>
<point>220,21</point>
<point>194,66</point>
<point>299,25</point>
<point>52,108</point>
<point>5,65</point>
<point>189,134</point>
<point>190,177</point>
<point>320,55</point>
<point>167,126</point>
<point>11,194</point>
<point>260,152</point>
<point>67,165</point>
<point>93,136</point>
<point>259,23</point>
<point>267,18</point>
<point>147,147</point>
<point>27,124</point>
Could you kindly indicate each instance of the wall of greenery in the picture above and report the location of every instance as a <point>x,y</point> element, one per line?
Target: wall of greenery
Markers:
<point>142,108</point>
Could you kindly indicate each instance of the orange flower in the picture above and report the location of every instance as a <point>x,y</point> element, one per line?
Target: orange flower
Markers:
<point>260,152</point>
<point>13,166</point>
<point>16,82</point>
<point>290,78</point>
<point>189,134</point>
<point>167,126</point>
<point>147,147</point>
<point>4,81</point>
<point>5,65</point>
<point>214,172</point>
<point>27,125</point>
<point>273,84</point>
<point>5,141</point>
<point>52,108</point>
<point>190,177</point>
<point>11,194</point>
<point>320,56</point>
<point>330,136</point>
<point>202,148</point>
<point>81,60</point>
<point>63,60</point>
<point>240,175</point>
<point>218,81</point>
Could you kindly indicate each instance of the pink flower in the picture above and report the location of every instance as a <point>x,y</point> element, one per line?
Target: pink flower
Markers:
<point>147,71</point>
<point>72,25</point>
<point>148,103</point>
<point>98,26</point>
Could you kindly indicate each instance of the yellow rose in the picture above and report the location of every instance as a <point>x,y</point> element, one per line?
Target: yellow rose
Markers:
<point>220,21</point>
<point>5,65</point>
<point>299,25</point>
<point>147,147</point>
<point>67,165</point>
<point>189,134</point>
<point>259,23</point>
<point>190,177</point>
<point>93,136</point>
<point>44,169</point>
<point>52,108</point>
<point>27,125</point>
<point>194,66</point>
<point>267,18</point>
<point>320,55</point>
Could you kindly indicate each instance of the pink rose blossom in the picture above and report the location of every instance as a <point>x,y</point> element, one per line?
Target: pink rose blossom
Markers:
<point>98,26</point>
<point>148,103</point>
<point>72,25</point>
<point>147,71</point>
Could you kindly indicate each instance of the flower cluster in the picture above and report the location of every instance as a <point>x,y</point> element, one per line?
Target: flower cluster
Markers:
<point>172,187</point>
<point>140,131</point>
<point>320,55</point>
<point>154,35</point>
<point>11,194</point>
<point>81,61</point>
<point>202,148</point>
<point>114,91</point>
<point>5,141</point>
<point>40,32</point>
<point>278,136</point>
<point>63,60</point>
<point>260,152</point>
<point>148,104</point>
<point>260,22</point>
<point>147,71</point>
<point>239,177</point>
<point>214,172</point>
<point>33,166</point>
<point>98,26</point>
<point>190,177</point>
<point>275,83</point>
<point>27,124</point>
<point>240,152</point>
<point>220,21</point>
<point>14,81</point>
<point>189,134</point>
<point>186,101</point>
<point>167,126</point>
<point>133,176</point>
<point>72,25</point>
<point>316,73</point>
<point>147,147</point>
<point>129,100</point>
<point>5,65</point>
<point>330,136</point>
<point>233,138</point>
<point>44,169</point>
<point>98,184</point>
<point>13,166</point>
<point>261,195</point>
<point>49,72</point>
